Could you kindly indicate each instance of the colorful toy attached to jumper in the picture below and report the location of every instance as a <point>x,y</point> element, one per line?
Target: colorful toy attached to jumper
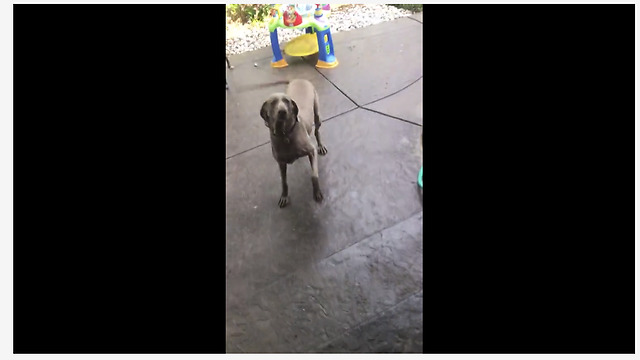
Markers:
<point>303,16</point>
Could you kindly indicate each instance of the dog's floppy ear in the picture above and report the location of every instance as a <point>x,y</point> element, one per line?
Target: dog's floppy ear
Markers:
<point>263,113</point>
<point>294,106</point>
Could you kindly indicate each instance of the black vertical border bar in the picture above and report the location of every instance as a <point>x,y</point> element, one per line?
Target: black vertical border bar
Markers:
<point>529,179</point>
<point>119,237</point>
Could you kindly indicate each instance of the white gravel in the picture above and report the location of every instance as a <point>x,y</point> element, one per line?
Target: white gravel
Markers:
<point>248,37</point>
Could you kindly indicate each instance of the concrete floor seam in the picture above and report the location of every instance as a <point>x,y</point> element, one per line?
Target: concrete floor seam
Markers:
<point>245,151</point>
<point>394,93</point>
<point>334,85</point>
<point>343,113</point>
<point>375,111</point>
<point>370,319</point>
<point>391,116</point>
<point>371,102</point>
<point>372,234</point>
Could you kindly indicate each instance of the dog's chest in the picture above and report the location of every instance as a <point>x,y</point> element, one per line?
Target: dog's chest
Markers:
<point>288,152</point>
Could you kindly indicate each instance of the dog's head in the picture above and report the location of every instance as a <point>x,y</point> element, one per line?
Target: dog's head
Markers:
<point>280,113</point>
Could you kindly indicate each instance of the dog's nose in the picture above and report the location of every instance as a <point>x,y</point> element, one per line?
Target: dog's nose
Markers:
<point>282,114</point>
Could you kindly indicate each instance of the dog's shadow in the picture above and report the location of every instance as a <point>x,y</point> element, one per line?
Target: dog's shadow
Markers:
<point>299,230</point>
<point>286,238</point>
<point>313,223</point>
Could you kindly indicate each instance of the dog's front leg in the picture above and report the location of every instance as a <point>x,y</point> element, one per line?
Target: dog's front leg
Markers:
<point>284,198</point>
<point>313,160</point>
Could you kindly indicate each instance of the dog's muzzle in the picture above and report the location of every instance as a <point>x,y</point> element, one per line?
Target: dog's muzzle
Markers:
<point>280,132</point>
<point>278,129</point>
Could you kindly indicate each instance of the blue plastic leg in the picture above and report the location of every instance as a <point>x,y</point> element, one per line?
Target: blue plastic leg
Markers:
<point>277,54</point>
<point>325,46</point>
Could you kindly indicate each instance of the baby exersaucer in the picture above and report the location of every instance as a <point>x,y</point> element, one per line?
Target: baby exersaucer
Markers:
<point>317,37</point>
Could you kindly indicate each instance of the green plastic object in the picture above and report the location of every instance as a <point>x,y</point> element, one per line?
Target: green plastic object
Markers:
<point>420,177</point>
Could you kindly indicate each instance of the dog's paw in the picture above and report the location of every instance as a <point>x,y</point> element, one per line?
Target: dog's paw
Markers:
<point>322,150</point>
<point>317,195</point>
<point>284,200</point>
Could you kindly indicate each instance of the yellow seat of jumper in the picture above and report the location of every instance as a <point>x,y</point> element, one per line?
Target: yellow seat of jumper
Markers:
<point>303,45</point>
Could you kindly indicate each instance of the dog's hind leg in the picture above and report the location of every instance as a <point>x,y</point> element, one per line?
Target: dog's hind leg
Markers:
<point>322,150</point>
<point>284,198</point>
<point>313,160</point>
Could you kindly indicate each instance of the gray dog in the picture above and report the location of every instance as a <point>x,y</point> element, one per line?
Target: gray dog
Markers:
<point>290,118</point>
